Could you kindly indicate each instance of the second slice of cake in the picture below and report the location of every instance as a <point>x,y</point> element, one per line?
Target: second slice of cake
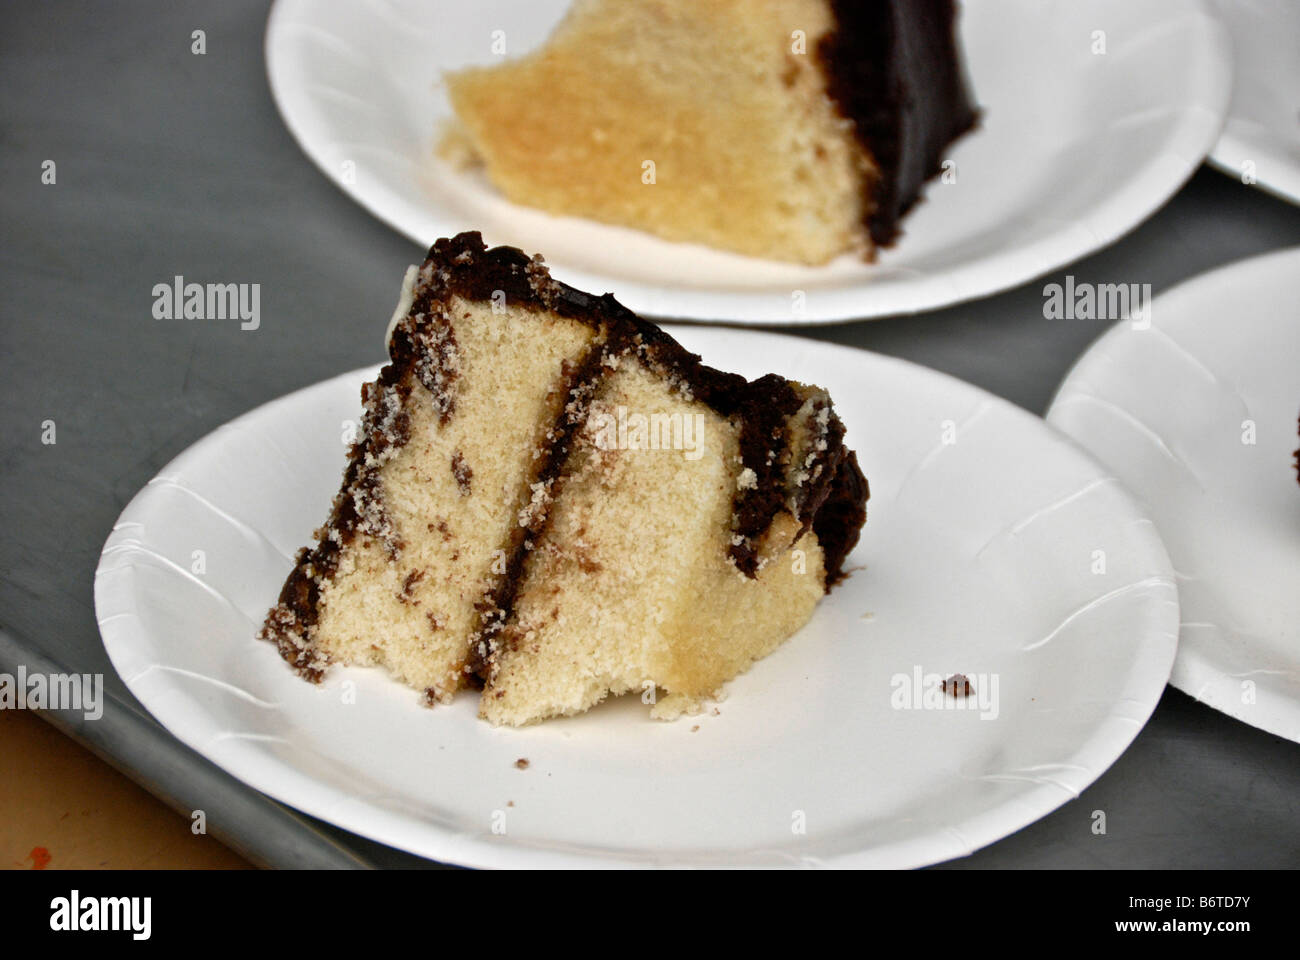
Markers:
<point>789,129</point>
<point>553,501</point>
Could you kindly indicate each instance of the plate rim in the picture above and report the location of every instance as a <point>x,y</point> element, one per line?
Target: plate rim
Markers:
<point>1163,174</point>
<point>1190,668</point>
<point>1236,145</point>
<point>1144,683</point>
<point>1233,147</point>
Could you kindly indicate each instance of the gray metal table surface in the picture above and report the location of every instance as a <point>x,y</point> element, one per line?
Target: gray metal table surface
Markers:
<point>170,163</point>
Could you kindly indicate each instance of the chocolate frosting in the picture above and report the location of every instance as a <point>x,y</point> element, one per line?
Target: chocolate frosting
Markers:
<point>892,67</point>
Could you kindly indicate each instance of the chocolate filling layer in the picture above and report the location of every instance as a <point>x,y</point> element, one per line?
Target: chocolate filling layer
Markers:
<point>498,606</point>
<point>892,68</point>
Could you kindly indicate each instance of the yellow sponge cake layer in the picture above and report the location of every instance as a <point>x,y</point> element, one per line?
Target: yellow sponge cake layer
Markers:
<point>630,587</point>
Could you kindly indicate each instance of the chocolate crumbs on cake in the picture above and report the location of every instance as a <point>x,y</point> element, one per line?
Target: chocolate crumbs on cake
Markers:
<point>463,474</point>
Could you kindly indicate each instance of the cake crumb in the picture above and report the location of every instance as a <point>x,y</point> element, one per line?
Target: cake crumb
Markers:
<point>535,511</point>
<point>540,282</point>
<point>462,472</point>
<point>522,763</point>
<point>958,685</point>
<point>408,585</point>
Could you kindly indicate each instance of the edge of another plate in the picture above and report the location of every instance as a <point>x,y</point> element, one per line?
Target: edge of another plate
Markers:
<point>1193,673</point>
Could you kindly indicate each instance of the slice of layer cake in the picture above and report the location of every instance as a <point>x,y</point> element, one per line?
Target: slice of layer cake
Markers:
<point>553,501</point>
<point>789,129</point>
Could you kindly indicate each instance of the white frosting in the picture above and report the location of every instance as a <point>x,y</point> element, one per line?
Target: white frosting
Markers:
<point>404,301</point>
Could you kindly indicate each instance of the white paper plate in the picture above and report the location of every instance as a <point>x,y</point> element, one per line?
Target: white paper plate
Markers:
<point>1263,127</point>
<point>977,558</point>
<point>1076,149</point>
<point>1166,409</point>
